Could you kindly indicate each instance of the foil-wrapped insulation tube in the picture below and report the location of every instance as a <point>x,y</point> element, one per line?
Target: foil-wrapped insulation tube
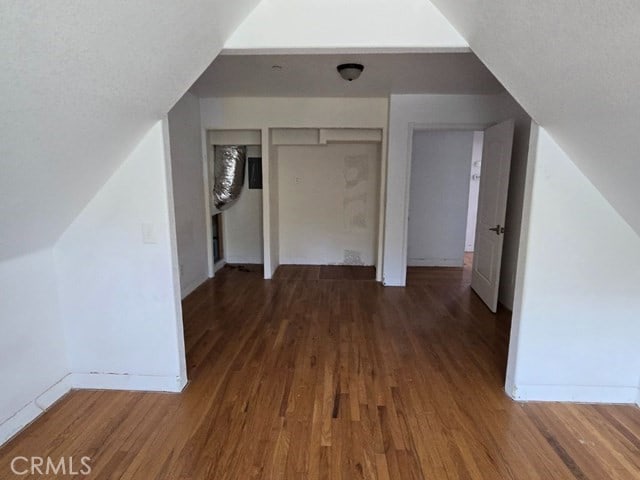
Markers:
<point>228,171</point>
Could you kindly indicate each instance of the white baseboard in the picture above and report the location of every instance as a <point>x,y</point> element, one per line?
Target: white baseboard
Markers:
<point>435,262</point>
<point>98,381</point>
<point>27,414</point>
<point>115,381</point>
<point>393,282</point>
<point>243,261</point>
<point>575,393</point>
<point>220,264</point>
<point>192,286</point>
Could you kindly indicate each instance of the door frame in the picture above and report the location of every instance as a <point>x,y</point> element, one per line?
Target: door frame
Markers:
<point>420,127</point>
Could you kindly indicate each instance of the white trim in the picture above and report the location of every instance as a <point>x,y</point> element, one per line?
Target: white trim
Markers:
<point>382,197</point>
<point>393,282</point>
<point>242,261</point>
<point>192,286</point>
<point>575,393</point>
<point>27,414</point>
<point>435,262</point>
<point>207,202</point>
<point>219,264</point>
<point>98,381</point>
<point>521,265</point>
<point>124,381</point>
<point>340,50</point>
<point>173,244</point>
<point>413,127</point>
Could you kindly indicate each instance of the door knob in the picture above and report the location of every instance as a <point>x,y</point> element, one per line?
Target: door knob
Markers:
<point>498,229</point>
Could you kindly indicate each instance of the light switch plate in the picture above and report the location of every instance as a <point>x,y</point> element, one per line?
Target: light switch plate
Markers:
<point>149,233</point>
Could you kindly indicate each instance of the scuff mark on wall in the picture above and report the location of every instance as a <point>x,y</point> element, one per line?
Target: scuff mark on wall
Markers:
<point>352,257</point>
<point>355,212</point>
<point>356,175</point>
<point>356,170</point>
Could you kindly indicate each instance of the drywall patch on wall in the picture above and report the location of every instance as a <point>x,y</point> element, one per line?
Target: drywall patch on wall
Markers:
<point>356,170</point>
<point>328,208</point>
<point>356,176</point>
<point>352,257</point>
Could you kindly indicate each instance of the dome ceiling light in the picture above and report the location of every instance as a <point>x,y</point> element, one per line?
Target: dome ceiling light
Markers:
<point>350,71</point>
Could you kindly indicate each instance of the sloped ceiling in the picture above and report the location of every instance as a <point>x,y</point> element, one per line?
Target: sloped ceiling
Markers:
<point>81,82</point>
<point>575,67</point>
<point>348,25</point>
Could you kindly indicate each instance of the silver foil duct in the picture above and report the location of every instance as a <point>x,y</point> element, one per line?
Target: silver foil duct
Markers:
<point>228,170</point>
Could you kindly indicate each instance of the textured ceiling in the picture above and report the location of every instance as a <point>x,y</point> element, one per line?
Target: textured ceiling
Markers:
<point>316,75</point>
<point>574,66</point>
<point>81,82</point>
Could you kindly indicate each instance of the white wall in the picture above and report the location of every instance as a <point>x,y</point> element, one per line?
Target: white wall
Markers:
<point>243,113</point>
<point>474,191</point>
<point>242,237</point>
<point>269,113</point>
<point>439,197</point>
<point>328,203</point>
<point>575,331</point>
<point>118,279</point>
<point>188,191</point>
<point>82,83</point>
<point>286,24</point>
<point>33,355</point>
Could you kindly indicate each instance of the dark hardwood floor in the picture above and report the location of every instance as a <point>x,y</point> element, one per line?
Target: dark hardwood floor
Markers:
<point>320,376</point>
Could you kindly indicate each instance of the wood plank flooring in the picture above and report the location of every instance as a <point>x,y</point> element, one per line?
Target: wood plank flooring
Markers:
<point>310,378</point>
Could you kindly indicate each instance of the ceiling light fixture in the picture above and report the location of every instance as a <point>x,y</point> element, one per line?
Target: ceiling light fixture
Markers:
<point>350,71</point>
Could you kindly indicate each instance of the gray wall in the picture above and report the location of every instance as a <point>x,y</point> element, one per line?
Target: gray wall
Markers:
<point>439,197</point>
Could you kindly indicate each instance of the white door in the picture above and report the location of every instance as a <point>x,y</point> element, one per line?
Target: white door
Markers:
<point>492,208</point>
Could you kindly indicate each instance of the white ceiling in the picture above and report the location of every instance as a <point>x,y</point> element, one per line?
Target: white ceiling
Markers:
<point>316,75</point>
<point>345,24</point>
<point>81,84</point>
<point>574,66</point>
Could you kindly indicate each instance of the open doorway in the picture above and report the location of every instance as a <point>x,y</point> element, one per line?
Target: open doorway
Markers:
<point>458,202</point>
<point>235,234</point>
<point>443,197</point>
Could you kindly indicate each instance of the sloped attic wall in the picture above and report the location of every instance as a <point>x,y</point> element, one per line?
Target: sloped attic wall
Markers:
<point>81,83</point>
<point>118,279</point>
<point>576,329</point>
<point>345,24</point>
<point>573,65</point>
